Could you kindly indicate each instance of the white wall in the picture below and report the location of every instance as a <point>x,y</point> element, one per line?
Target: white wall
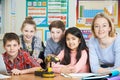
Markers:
<point>20,14</point>
<point>19,17</point>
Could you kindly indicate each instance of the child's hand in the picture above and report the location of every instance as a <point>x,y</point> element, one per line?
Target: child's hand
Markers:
<point>16,72</point>
<point>67,69</point>
<point>39,60</point>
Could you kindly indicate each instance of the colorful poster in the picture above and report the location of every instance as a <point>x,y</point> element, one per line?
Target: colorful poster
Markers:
<point>87,34</point>
<point>38,10</point>
<point>58,10</point>
<point>46,11</point>
<point>86,12</point>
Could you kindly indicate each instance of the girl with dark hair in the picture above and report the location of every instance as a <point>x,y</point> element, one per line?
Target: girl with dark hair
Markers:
<point>74,57</point>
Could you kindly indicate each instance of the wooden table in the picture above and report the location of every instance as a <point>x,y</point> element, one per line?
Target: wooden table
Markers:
<point>33,77</point>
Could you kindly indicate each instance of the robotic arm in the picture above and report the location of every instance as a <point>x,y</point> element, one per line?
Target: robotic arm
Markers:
<point>47,73</point>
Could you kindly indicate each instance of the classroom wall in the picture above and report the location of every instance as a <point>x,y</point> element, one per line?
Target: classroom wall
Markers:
<point>20,9</point>
<point>20,14</point>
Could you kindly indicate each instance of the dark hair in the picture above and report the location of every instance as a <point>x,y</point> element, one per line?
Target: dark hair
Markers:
<point>9,37</point>
<point>57,24</point>
<point>28,20</point>
<point>82,46</point>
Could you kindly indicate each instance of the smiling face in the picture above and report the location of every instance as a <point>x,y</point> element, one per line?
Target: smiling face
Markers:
<point>12,48</point>
<point>56,34</point>
<point>72,41</point>
<point>28,32</point>
<point>101,28</point>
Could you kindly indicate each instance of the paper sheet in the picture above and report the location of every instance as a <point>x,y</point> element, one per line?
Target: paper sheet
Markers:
<point>4,76</point>
<point>76,75</point>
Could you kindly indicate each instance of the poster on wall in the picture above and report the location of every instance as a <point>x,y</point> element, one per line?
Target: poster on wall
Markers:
<point>58,10</point>
<point>87,34</point>
<point>46,11</point>
<point>38,10</point>
<point>86,12</point>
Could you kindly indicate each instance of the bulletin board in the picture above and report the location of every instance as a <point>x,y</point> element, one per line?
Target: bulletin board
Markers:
<point>46,11</point>
<point>86,10</point>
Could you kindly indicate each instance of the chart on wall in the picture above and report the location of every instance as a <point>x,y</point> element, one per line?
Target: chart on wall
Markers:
<point>86,10</point>
<point>46,11</point>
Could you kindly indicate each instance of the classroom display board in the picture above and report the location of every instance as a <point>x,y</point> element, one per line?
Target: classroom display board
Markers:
<point>86,10</point>
<point>46,11</point>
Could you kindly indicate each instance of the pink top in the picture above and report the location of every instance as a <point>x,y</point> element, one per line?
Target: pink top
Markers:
<point>80,66</point>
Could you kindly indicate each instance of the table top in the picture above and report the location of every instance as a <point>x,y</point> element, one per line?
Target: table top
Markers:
<point>33,77</point>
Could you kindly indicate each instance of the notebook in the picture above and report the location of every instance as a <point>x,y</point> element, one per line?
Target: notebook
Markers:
<point>3,69</point>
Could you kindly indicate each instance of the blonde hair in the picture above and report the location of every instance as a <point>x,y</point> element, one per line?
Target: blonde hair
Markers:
<point>28,20</point>
<point>111,25</point>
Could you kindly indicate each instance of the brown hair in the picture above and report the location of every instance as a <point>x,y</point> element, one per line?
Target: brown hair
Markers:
<point>9,37</point>
<point>111,25</point>
<point>57,24</point>
<point>28,20</point>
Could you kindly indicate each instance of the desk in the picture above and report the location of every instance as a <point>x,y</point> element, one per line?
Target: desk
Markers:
<point>33,77</point>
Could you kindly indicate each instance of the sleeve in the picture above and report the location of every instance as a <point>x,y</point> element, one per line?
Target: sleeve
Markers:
<point>93,58</point>
<point>37,47</point>
<point>48,48</point>
<point>116,48</point>
<point>57,66</point>
<point>30,61</point>
<point>81,64</point>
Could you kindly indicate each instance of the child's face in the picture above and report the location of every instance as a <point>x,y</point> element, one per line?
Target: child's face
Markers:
<point>28,32</point>
<point>72,41</point>
<point>56,34</point>
<point>12,48</point>
<point>101,28</point>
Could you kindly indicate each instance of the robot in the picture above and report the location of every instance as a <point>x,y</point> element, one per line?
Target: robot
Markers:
<point>47,73</point>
